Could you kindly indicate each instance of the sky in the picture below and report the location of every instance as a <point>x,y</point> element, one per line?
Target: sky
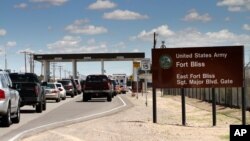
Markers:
<point>100,26</point>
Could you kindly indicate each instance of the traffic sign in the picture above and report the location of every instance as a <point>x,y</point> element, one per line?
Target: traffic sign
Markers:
<point>136,64</point>
<point>145,64</point>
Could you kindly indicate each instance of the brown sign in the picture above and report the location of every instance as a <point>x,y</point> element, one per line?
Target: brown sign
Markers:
<point>198,67</point>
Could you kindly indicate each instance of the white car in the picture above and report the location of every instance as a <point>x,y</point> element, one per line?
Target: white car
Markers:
<point>52,92</point>
<point>62,90</point>
<point>9,101</point>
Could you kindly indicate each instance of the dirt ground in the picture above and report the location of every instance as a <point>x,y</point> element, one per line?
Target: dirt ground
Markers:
<point>136,123</point>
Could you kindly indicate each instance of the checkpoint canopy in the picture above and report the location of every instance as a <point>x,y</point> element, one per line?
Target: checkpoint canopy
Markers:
<point>84,57</point>
<point>90,56</point>
<point>198,67</point>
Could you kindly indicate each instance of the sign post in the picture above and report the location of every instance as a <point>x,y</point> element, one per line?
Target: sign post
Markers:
<point>136,65</point>
<point>198,67</point>
<point>183,107</point>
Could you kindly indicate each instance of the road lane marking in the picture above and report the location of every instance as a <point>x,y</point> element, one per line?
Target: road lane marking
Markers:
<point>72,120</point>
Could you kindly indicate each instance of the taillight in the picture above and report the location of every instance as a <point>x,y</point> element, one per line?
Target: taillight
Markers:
<point>69,86</point>
<point>36,90</point>
<point>54,91</point>
<point>106,86</point>
<point>2,94</point>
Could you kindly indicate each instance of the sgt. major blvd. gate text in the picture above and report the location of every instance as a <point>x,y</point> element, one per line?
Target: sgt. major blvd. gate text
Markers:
<point>199,78</point>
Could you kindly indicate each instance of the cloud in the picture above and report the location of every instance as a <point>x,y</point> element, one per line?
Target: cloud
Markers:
<point>2,32</point>
<point>51,2</point>
<point>66,42</point>
<point>191,37</point>
<point>81,27</point>
<point>193,15</point>
<point>135,50</point>
<point>235,5</point>
<point>162,31</point>
<point>246,27</point>
<point>102,4</point>
<point>11,44</point>
<point>74,44</point>
<point>26,50</point>
<point>21,6</point>
<point>124,15</point>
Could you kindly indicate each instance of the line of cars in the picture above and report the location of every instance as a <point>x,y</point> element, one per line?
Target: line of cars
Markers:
<point>20,89</point>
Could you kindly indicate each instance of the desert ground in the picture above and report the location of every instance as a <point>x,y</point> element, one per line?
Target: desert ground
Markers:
<point>136,123</point>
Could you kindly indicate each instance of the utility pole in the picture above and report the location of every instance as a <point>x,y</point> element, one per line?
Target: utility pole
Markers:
<point>154,90</point>
<point>60,71</point>
<point>25,53</point>
<point>5,57</point>
<point>31,60</point>
<point>65,73</point>
<point>54,69</point>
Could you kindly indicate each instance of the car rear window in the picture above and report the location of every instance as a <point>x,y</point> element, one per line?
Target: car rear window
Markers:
<point>65,82</point>
<point>58,85</point>
<point>77,82</point>
<point>97,78</point>
<point>52,86</point>
<point>23,78</point>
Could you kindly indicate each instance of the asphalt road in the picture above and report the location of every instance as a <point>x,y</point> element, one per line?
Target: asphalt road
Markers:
<point>70,111</point>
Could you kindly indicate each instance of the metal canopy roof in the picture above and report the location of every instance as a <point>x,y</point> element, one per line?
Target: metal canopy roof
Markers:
<point>90,57</point>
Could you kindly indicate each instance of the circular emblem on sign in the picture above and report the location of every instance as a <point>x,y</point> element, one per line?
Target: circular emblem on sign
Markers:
<point>165,61</point>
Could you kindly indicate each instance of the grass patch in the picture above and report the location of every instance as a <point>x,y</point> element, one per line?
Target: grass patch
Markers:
<point>225,137</point>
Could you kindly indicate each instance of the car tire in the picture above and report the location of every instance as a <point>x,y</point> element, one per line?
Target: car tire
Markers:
<point>85,98</point>
<point>72,95</point>
<point>58,99</point>
<point>44,105</point>
<point>64,98</point>
<point>17,118</point>
<point>39,108</point>
<point>6,119</point>
<point>109,97</point>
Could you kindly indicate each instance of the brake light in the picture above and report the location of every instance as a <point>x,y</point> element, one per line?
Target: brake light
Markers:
<point>36,90</point>
<point>69,87</point>
<point>54,91</point>
<point>106,86</point>
<point>2,94</point>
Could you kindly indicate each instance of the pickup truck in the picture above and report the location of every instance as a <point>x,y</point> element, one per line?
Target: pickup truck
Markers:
<point>31,90</point>
<point>97,86</point>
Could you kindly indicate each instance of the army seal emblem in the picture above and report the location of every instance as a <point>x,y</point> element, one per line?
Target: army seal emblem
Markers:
<point>165,62</point>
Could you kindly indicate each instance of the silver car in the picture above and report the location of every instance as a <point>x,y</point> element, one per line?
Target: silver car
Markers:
<point>52,92</point>
<point>9,101</point>
<point>62,90</point>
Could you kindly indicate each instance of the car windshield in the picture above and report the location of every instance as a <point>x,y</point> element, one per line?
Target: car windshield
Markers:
<point>97,78</point>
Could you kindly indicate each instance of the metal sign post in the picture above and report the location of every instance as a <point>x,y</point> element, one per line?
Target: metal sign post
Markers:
<point>214,107</point>
<point>183,105</point>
